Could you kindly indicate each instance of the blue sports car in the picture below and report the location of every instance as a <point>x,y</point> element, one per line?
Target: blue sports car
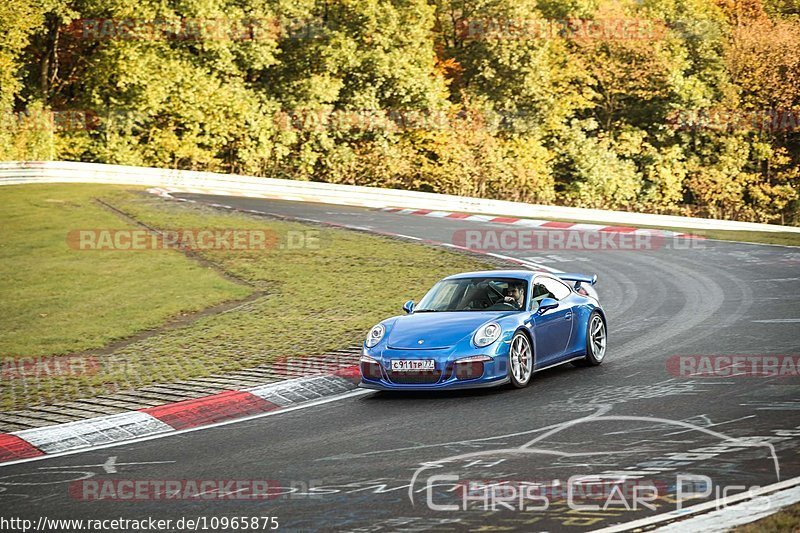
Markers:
<point>481,329</point>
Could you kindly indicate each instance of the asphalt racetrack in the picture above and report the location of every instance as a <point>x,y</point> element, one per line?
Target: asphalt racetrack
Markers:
<point>368,462</point>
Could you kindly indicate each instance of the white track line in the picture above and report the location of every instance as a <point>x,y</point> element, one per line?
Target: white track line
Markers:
<point>736,515</point>
<point>726,512</point>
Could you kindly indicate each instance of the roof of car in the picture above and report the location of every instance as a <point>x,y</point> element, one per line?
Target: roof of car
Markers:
<point>519,274</point>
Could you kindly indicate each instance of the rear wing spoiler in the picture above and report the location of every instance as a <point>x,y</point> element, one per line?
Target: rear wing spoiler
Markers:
<point>577,278</point>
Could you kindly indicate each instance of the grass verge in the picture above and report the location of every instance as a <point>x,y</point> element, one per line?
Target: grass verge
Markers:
<point>757,237</point>
<point>786,520</point>
<point>309,299</point>
<point>56,300</point>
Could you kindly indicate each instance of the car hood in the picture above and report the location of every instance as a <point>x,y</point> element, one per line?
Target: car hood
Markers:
<point>436,330</point>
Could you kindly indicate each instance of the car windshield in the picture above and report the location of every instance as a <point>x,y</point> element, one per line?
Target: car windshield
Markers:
<point>475,294</point>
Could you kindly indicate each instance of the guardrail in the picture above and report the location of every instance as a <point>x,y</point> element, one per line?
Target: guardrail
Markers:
<point>21,172</point>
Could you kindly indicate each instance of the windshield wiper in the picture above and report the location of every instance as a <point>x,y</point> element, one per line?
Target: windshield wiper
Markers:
<point>426,310</point>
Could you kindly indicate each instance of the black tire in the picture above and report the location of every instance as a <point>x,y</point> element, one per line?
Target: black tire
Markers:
<point>596,341</point>
<point>520,360</point>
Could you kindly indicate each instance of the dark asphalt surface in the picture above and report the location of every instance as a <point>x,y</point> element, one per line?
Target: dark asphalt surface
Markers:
<point>348,465</point>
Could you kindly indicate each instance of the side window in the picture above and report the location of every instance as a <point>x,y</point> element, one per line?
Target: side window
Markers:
<point>540,292</point>
<point>558,290</point>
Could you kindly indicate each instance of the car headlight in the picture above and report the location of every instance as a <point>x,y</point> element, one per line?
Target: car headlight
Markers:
<point>375,335</point>
<point>487,334</point>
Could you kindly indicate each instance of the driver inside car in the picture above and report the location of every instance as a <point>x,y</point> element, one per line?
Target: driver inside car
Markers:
<point>516,295</point>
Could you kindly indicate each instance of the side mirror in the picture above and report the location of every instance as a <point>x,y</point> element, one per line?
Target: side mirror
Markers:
<point>546,304</point>
<point>408,307</point>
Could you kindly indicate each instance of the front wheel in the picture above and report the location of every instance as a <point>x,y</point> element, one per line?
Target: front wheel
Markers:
<point>520,357</point>
<point>596,341</point>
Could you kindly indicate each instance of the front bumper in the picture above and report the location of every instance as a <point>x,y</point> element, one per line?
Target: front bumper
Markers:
<point>495,371</point>
<point>473,384</point>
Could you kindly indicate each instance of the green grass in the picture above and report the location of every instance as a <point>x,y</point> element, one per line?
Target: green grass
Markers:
<point>314,299</point>
<point>784,238</point>
<point>786,520</point>
<point>56,300</point>
<point>758,237</point>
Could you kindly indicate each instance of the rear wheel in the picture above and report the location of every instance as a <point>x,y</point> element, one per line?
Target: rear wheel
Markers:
<point>596,341</point>
<point>520,357</point>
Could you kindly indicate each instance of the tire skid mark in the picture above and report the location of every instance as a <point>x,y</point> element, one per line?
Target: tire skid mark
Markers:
<point>701,297</point>
<point>735,306</point>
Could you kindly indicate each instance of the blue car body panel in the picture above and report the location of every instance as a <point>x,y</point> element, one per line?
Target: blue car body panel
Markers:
<point>557,336</point>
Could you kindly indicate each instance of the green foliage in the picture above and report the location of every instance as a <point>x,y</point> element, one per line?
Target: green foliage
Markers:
<point>593,173</point>
<point>18,20</point>
<point>491,98</point>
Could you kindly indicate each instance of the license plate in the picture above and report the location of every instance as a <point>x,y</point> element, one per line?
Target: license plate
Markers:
<point>412,365</point>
